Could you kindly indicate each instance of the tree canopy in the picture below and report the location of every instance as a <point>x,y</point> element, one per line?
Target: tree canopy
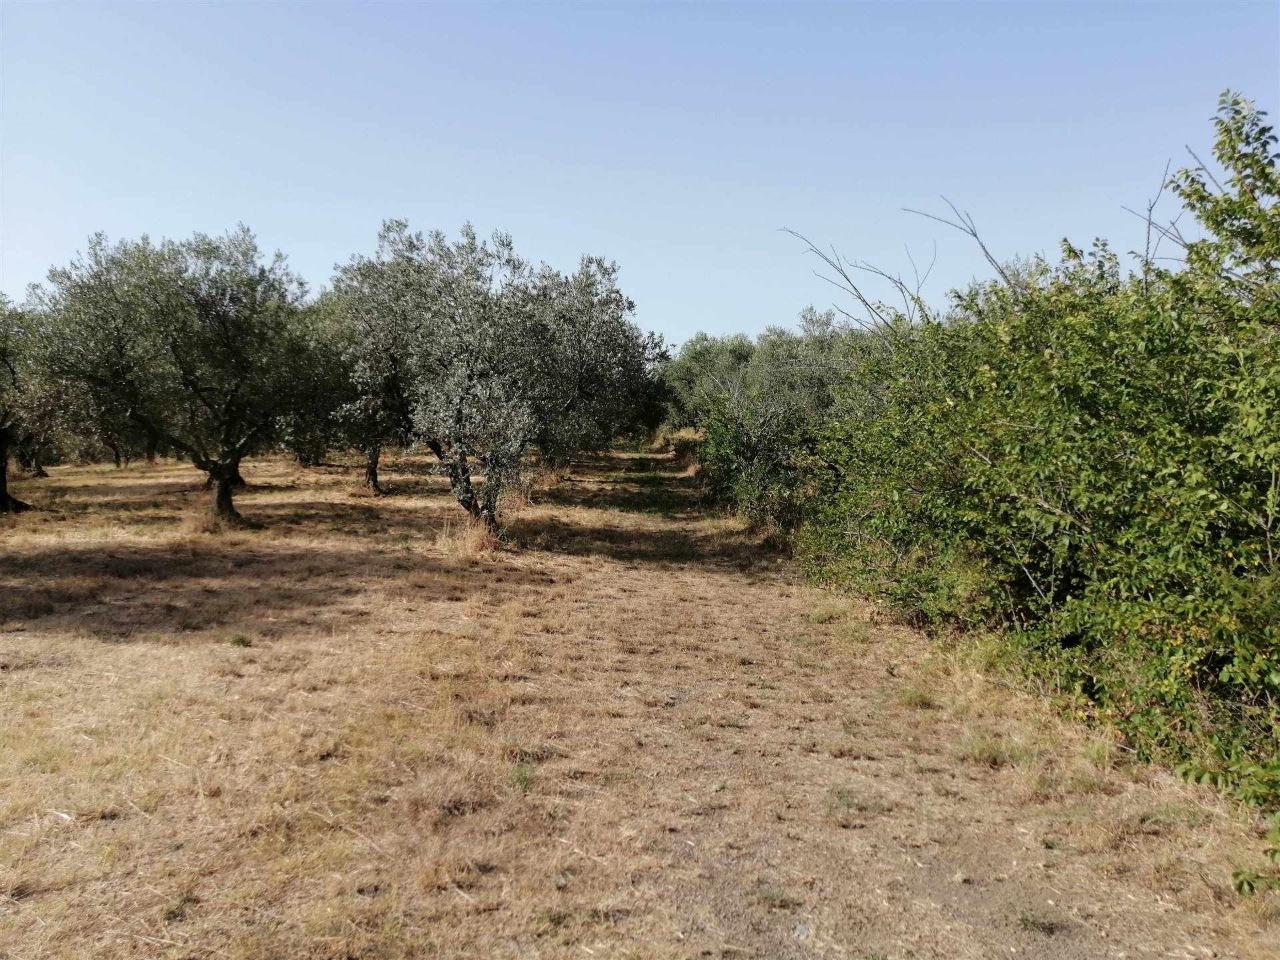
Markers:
<point>15,349</point>
<point>196,343</point>
<point>472,351</point>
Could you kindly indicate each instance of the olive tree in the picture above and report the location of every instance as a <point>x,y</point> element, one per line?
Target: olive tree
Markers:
<point>595,372</point>
<point>52,413</point>
<point>14,356</point>
<point>314,422</point>
<point>491,357</point>
<point>760,405</point>
<point>194,343</point>
<point>380,303</point>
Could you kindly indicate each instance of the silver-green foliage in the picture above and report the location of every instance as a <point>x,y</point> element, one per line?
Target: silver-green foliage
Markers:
<point>194,342</point>
<point>15,352</point>
<point>482,357</point>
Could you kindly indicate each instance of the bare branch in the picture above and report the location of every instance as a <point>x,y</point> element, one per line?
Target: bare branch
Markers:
<point>964,222</point>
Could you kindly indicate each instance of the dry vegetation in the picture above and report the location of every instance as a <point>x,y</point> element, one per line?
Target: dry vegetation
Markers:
<point>367,731</point>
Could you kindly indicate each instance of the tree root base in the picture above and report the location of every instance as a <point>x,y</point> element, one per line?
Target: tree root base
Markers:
<point>10,505</point>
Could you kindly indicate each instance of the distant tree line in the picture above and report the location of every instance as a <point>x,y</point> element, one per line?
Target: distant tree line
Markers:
<point>1085,456</point>
<point>210,350</point>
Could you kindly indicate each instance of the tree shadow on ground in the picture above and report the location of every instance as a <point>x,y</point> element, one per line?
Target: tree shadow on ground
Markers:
<point>330,562</point>
<point>127,591</point>
<point>396,484</point>
<point>634,483</point>
<point>674,497</point>
<point>411,467</point>
<point>113,491</point>
<point>167,500</point>
<point>362,517</point>
<point>671,547</point>
<point>605,464</point>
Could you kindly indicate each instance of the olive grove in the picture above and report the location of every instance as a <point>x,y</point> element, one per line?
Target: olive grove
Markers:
<point>210,350</point>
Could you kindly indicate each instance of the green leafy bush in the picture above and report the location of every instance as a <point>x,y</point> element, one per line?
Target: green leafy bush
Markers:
<point>1091,458</point>
<point>757,407</point>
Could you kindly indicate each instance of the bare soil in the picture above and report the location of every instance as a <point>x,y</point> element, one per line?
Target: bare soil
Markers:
<point>629,730</point>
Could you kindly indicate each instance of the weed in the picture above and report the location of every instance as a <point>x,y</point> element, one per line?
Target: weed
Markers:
<point>775,898</point>
<point>522,777</point>
<point>178,911</point>
<point>465,540</point>
<point>856,632</point>
<point>1100,752</point>
<point>828,613</point>
<point>994,751</point>
<point>849,809</point>
<point>918,698</point>
<point>1039,923</point>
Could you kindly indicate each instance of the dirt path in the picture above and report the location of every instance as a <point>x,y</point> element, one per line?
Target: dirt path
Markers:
<point>639,735</point>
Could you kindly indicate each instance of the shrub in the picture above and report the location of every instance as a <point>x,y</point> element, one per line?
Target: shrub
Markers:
<point>757,406</point>
<point>684,444</point>
<point>1091,458</point>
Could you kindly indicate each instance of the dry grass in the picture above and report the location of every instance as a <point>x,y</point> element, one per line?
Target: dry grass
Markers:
<point>366,730</point>
<point>465,540</point>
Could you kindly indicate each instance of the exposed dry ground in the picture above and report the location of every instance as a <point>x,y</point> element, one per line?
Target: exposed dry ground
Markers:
<point>632,732</point>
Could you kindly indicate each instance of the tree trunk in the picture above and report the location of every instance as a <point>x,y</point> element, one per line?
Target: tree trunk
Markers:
<point>153,445</point>
<point>8,504</point>
<point>489,508</point>
<point>28,457</point>
<point>309,453</point>
<point>373,457</point>
<point>222,477</point>
<point>459,478</point>
<point>233,472</point>
<point>463,488</point>
<point>224,507</point>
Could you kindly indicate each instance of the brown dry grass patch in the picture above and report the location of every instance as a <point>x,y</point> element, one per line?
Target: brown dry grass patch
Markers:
<point>624,729</point>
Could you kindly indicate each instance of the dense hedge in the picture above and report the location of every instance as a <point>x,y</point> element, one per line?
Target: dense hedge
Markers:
<point>756,406</point>
<point>1086,457</point>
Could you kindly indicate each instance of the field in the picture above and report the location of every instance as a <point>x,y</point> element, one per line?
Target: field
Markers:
<point>627,730</point>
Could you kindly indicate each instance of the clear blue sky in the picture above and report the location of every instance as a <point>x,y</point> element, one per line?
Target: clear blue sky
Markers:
<point>674,138</point>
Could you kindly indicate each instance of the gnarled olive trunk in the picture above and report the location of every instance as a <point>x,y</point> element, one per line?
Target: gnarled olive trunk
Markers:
<point>237,481</point>
<point>8,503</point>
<point>488,505</point>
<point>28,455</point>
<point>223,479</point>
<point>463,486</point>
<point>372,459</point>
